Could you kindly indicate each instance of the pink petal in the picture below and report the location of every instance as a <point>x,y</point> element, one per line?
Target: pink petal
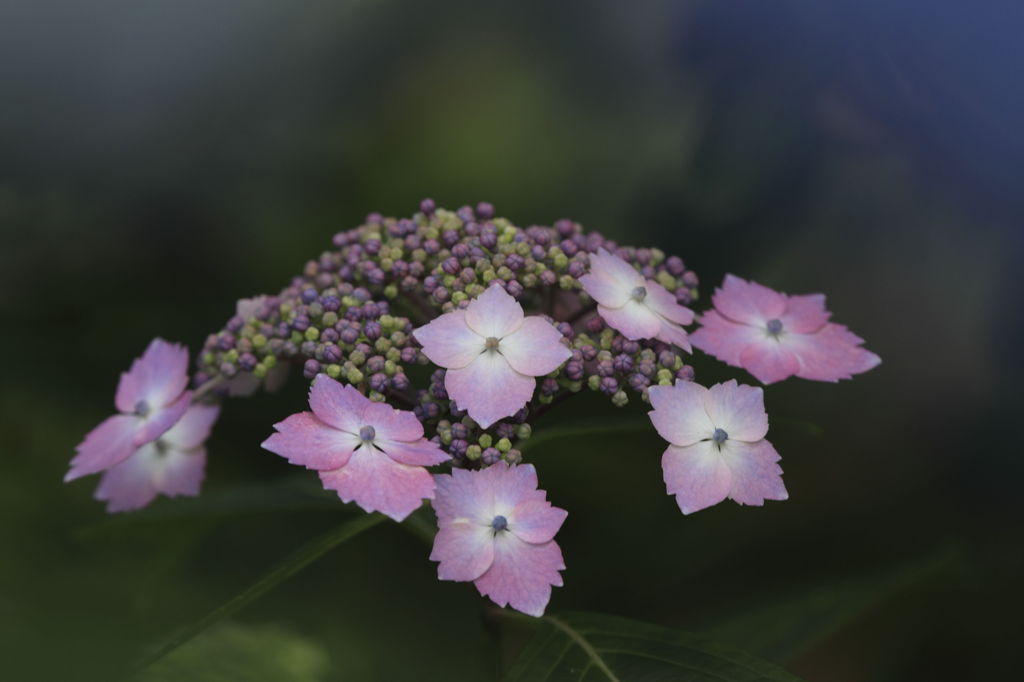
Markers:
<point>748,302</point>
<point>725,339</point>
<point>449,342</point>
<point>465,494</point>
<point>392,424</point>
<point>605,290</point>
<point>494,313</point>
<point>536,521</point>
<point>664,303</point>
<point>107,445</point>
<point>674,335</point>
<point>831,354</point>
<point>378,483</point>
<point>635,320</point>
<point>510,486</point>
<point>156,379</point>
<point>305,440</point>
<point>610,267</point>
<point>137,481</point>
<point>464,549</point>
<point>157,422</point>
<point>419,453</point>
<point>522,574</point>
<point>738,410</point>
<point>697,475</point>
<point>756,476</point>
<point>489,389</point>
<point>769,360</point>
<point>536,348</point>
<point>679,415</point>
<point>805,314</point>
<point>336,405</point>
<point>193,428</point>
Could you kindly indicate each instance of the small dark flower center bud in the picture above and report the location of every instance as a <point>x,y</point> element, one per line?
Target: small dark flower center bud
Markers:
<point>492,343</point>
<point>719,436</point>
<point>499,523</point>
<point>774,327</point>
<point>639,294</point>
<point>367,433</point>
<point>142,408</point>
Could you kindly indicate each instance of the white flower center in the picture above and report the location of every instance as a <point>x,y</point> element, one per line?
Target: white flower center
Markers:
<point>719,437</point>
<point>499,523</point>
<point>774,327</point>
<point>492,343</point>
<point>367,434</point>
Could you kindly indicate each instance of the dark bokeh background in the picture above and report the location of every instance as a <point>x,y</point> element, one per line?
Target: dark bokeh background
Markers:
<point>159,160</point>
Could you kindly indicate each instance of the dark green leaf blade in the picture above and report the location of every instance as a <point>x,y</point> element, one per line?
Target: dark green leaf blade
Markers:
<point>283,570</point>
<point>591,647</point>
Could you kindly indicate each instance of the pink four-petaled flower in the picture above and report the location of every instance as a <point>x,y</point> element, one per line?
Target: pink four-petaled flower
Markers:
<point>774,336</point>
<point>368,452</point>
<point>492,354</point>
<point>638,307</point>
<point>497,529</point>
<point>718,449</point>
<point>173,464</point>
<point>150,399</point>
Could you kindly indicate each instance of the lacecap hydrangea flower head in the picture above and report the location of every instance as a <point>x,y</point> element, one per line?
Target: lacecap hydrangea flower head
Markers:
<point>433,343</point>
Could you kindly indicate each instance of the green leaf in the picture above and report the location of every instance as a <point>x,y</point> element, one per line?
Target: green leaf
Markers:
<point>586,647</point>
<point>587,427</point>
<point>286,568</point>
<point>784,628</point>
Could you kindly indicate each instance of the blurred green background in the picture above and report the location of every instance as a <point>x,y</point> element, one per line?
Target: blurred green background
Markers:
<point>159,160</point>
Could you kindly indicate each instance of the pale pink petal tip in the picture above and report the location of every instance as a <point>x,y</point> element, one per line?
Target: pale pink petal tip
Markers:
<point>369,453</point>
<point>718,449</point>
<point>775,336</point>
<point>639,308</point>
<point>497,529</point>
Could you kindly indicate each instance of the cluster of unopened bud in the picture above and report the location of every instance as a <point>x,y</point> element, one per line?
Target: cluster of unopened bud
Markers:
<point>351,313</point>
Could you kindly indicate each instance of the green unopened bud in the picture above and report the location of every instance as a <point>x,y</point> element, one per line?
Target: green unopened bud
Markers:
<point>382,345</point>
<point>393,355</point>
<point>505,273</point>
<point>357,358</point>
<point>258,341</point>
<point>296,338</point>
<point>593,382</point>
<point>391,290</point>
<point>503,444</point>
<point>657,256</point>
<point>316,309</point>
<point>529,280</point>
<point>575,386</point>
<point>390,367</point>
<point>524,431</point>
<point>259,371</point>
<point>269,361</point>
<point>560,261</point>
<point>231,356</point>
<point>446,436</point>
<point>376,397</point>
<point>312,334</point>
<point>607,334</point>
<point>666,280</point>
<point>209,358</point>
<point>566,282</point>
<point>620,399</point>
<point>330,318</point>
<point>354,376</point>
<point>419,255</point>
<point>458,297</point>
<point>485,440</point>
<point>473,452</point>
<point>386,263</point>
<point>334,371</point>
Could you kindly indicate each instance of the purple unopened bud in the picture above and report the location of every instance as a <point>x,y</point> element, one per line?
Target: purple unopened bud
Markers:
<point>451,265</point>
<point>631,347</point>
<point>690,278</point>
<point>574,370</point>
<point>609,385</point>
<point>515,289</point>
<point>685,373</point>
<point>577,268</point>
<point>441,294</point>
<point>227,369</point>
<point>428,206</point>
<point>505,430</point>
<point>235,324</point>
<point>465,214</point>
<point>675,266</point>
<point>548,278</point>
<point>458,446</point>
<point>372,246</point>
<point>247,361</point>
<point>310,369</point>
<point>485,210</point>
<point>569,247</point>
<point>622,363</point>
<point>309,347</point>
<point>490,456</point>
<point>564,227</point>
<point>379,382</point>
<point>489,237</point>
<point>459,430</point>
<point>309,295</point>
<point>332,354</point>
<point>449,237</point>
<point>589,352</point>
<point>372,330</point>
<point>399,382</point>
<point>301,323</point>
<point>667,358</point>
<point>329,335</point>
<point>638,382</point>
<point>410,355</point>
<point>595,324</point>
<point>330,303</point>
<point>226,341</point>
<point>374,219</point>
